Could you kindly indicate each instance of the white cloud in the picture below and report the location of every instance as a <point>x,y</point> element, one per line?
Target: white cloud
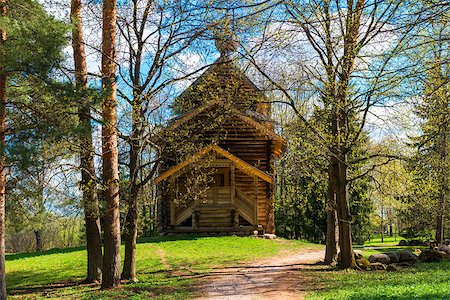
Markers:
<point>397,121</point>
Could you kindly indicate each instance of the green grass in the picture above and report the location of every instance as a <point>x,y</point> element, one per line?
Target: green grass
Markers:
<point>165,266</point>
<point>55,273</point>
<point>424,282</point>
<point>389,244</point>
<point>376,241</point>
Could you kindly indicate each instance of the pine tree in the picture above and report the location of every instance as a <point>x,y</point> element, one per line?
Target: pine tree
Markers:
<point>32,49</point>
<point>88,177</point>
<point>111,256</point>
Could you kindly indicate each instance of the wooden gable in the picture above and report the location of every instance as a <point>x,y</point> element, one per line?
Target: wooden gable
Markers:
<point>239,163</point>
<point>219,120</point>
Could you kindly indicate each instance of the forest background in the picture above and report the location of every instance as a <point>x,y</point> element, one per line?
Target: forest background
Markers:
<point>397,115</point>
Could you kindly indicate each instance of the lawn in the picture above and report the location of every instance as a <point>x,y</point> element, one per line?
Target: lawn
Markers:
<point>167,268</point>
<point>424,281</point>
<point>389,244</point>
<point>375,241</point>
<point>55,273</point>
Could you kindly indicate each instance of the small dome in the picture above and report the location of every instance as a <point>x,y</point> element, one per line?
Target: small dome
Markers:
<point>226,41</point>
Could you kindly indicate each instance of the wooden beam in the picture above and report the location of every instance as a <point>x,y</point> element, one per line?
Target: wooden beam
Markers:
<point>240,164</point>
<point>172,204</point>
<point>256,201</point>
<point>232,184</point>
<point>186,117</point>
<point>215,192</point>
<point>258,126</point>
<point>183,164</point>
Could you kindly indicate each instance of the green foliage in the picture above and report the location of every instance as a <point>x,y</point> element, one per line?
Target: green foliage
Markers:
<point>302,184</point>
<point>361,208</point>
<point>41,120</point>
<point>34,39</point>
<point>43,125</point>
<point>60,232</point>
<point>300,194</point>
<point>428,200</point>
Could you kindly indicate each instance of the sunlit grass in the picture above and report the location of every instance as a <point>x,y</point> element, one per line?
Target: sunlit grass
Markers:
<point>424,282</point>
<point>56,273</point>
<point>375,241</point>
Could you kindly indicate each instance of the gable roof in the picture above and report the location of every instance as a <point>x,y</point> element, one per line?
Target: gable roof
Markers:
<point>239,163</point>
<point>279,141</point>
<point>222,61</point>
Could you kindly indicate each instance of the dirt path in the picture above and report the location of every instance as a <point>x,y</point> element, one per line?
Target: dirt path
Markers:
<point>279,278</point>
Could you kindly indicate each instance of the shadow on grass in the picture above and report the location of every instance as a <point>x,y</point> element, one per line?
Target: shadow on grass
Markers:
<point>73,289</point>
<point>156,239</point>
<point>48,288</point>
<point>159,283</point>
<point>422,281</point>
<point>181,237</point>
<point>152,284</point>
<point>14,256</point>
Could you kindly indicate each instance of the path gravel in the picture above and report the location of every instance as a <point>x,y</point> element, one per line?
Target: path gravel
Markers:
<point>280,278</point>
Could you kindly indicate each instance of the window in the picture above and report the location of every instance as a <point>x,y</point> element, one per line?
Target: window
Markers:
<point>221,178</point>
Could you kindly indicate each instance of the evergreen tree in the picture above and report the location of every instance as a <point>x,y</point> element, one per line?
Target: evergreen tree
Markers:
<point>111,256</point>
<point>86,150</point>
<point>30,46</point>
<point>432,145</point>
<point>301,194</point>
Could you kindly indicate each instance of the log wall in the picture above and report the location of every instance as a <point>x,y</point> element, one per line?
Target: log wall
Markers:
<point>226,83</point>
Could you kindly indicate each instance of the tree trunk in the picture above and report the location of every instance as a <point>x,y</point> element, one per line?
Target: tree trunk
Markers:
<point>346,255</point>
<point>129,267</point>
<point>346,258</point>
<point>38,240</point>
<point>382,222</point>
<point>338,159</point>
<point>443,182</point>
<point>129,264</point>
<point>2,160</point>
<point>111,257</point>
<point>88,178</point>
<point>2,179</point>
<point>332,226</point>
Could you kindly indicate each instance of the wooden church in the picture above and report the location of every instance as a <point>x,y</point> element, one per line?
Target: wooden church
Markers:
<point>217,175</point>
